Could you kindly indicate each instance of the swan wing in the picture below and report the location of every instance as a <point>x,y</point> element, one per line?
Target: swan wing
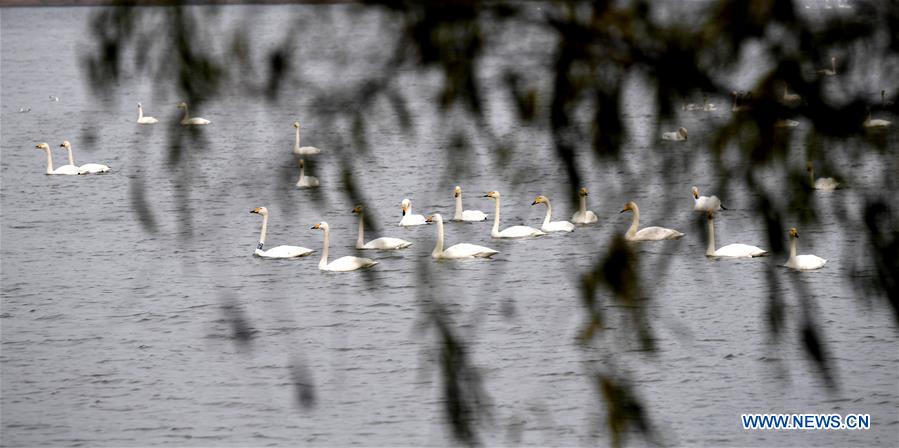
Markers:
<point>344,264</point>
<point>92,168</point>
<point>519,232</point>
<point>67,170</point>
<point>740,251</point>
<point>413,220</point>
<point>474,215</point>
<point>655,234</point>
<point>147,120</point>
<point>584,218</point>
<point>826,184</point>
<point>558,226</point>
<point>306,150</point>
<point>308,181</point>
<point>284,252</point>
<point>387,243</point>
<point>808,262</point>
<point>196,121</point>
<point>706,203</point>
<point>465,250</point>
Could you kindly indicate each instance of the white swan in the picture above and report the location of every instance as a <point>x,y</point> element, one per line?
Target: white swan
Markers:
<point>649,233</point>
<point>875,123</point>
<point>707,106</point>
<point>383,243</point>
<point>706,203</point>
<point>87,168</point>
<point>466,215</point>
<point>583,216</point>
<point>302,150</point>
<point>548,224</point>
<point>829,71</point>
<point>65,169</point>
<point>304,180</point>
<point>410,219</point>
<point>342,264</point>
<point>141,119</point>
<point>279,251</point>
<point>790,99</point>
<point>675,136</point>
<point>187,120</point>
<point>456,251</point>
<point>736,250</point>
<point>786,123</point>
<point>509,232</point>
<point>802,262</point>
<point>824,183</point>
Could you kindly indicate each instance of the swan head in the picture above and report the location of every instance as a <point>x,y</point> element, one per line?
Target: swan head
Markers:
<point>434,218</point>
<point>683,132</point>
<point>695,193</point>
<point>492,194</point>
<point>320,226</point>
<point>43,146</point>
<point>302,164</point>
<point>540,200</point>
<point>710,214</point>
<point>260,211</point>
<point>457,191</point>
<point>630,206</point>
<point>182,105</point>
<point>406,205</point>
<point>296,124</point>
<point>809,167</point>
<point>582,192</point>
<point>357,210</point>
<point>793,233</point>
<point>139,106</point>
<point>65,144</point>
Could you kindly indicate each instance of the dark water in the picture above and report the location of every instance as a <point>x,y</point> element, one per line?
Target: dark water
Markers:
<point>116,336</point>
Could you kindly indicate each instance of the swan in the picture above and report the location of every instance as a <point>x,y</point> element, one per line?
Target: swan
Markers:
<point>141,119</point>
<point>342,264</point>
<point>410,219</point>
<point>731,250</point>
<point>383,243</point>
<point>675,136</point>
<point>54,99</point>
<point>649,233</point>
<point>187,120</point>
<point>824,183</point>
<point>707,106</point>
<point>548,224</point>
<point>306,181</point>
<point>875,123</point>
<point>456,251</point>
<point>509,232</point>
<point>829,71</point>
<point>302,150</point>
<point>466,215</point>
<point>802,262</point>
<point>279,251</point>
<point>66,169</point>
<point>87,168</point>
<point>583,216</point>
<point>706,203</point>
<point>23,110</point>
<point>786,123</point>
<point>790,99</point>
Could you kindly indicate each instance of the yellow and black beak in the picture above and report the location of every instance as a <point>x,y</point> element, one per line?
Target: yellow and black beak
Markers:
<point>534,203</point>
<point>623,211</point>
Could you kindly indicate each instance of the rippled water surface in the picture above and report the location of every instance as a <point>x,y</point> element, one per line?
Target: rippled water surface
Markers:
<point>114,335</point>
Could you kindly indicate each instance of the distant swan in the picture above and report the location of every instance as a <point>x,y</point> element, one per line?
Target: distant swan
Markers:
<point>141,119</point>
<point>548,224</point>
<point>583,216</point>
<point>649,233</point>
<point>461,250</point>
<point>736,250</point>
<point>466,215</point>
<point>829,71</point>
<point>802,262</point>
<point>675,136</point>
<point>70,170</point>
<point>875,123</point>
<point>279,251</point>
<point>302,150</point>
<point>509,232</point>
<point>786,123</point>
<point>87,168</point>
<point>706,203</point>
<point>187,120</point>
<point>342,264</point>
<point>824,183</point>
<point>383,243</point>
<point>410,219</point>
<point>790,99</point>
<point>306,181</point>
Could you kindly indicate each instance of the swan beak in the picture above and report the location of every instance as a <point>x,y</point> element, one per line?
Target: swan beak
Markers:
<point>253,211</point>
<point>623,211</point>
<point>455,195</point>
<point>429,218</point>
<point>486,195</point>
<point>534,203</point>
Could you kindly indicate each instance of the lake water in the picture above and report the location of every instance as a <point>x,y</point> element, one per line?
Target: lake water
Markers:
<point>113,335</point>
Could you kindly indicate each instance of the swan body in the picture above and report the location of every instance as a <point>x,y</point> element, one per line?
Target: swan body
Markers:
<point>706,203</point>
<point>68,170</point>
<point>509,232</point>
<point>87,168</point>
<point>675,136</point>
<point>302,150</point>
<point>410,219</point>
<point>342,264</point>
<point>304,180</point>
<point>785,123</point>
<point>279,251</point>
<point>141,119</point>
<point>383,243</point>
<point>457,251</point>
<point>790,99</point>
<point>466,215</point>
<point>548,224</point>
<point>824,183</point>
<point>648,233</point>
<point>736,250</point>
<point>802,262</point>
<point>583,216</point>
<point>832,71</point>
<point>875,123</point>
<point>187,120</point>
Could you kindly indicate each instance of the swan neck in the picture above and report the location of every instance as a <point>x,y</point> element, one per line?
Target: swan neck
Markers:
<point>549,213</point>
<point>495,230</point>
<point>140,112</point>
<point>792,248</point>
<point>458,215</point>
<point>583,205</point>
<point>186,114</point>
<point>360,242</point>
<point>811,178</point>
<point>438,249</point>
<point>711,249</point>
<point>264,230</point>
<point>297,140</point>
<point>71,157</point>
<point>49,163</point>
<point>302,171</point>
<point>324,260</point>
<point>636,222</point>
